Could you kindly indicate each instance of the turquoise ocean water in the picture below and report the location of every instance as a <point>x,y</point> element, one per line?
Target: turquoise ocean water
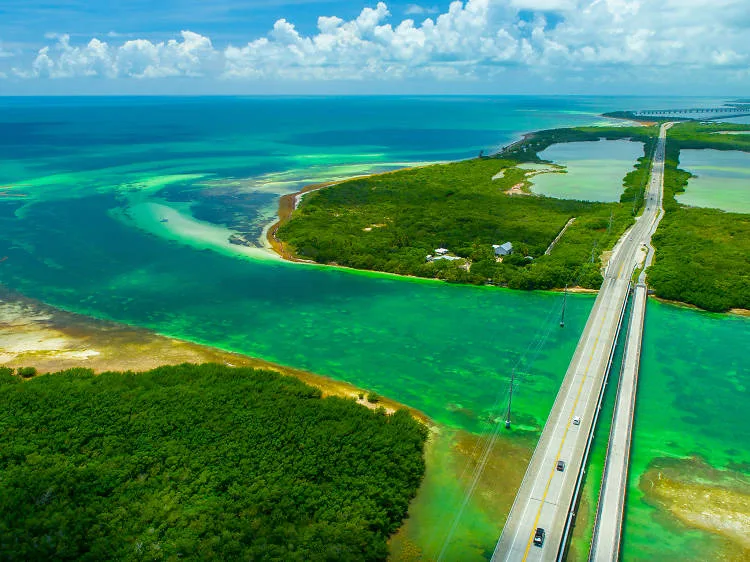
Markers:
<point>120,208</point>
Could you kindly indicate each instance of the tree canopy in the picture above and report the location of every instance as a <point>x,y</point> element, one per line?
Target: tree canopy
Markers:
<point>702,255</point>
<point>198,462</point>
<point>392,222</point>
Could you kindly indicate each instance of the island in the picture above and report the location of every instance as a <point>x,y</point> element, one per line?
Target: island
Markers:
<point>451,221</point>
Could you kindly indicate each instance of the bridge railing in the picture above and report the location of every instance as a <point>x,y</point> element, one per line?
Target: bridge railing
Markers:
<point>582,472</point>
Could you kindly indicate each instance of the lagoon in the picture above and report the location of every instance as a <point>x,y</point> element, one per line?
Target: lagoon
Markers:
<point>721,179</point>
<point>593,170</point>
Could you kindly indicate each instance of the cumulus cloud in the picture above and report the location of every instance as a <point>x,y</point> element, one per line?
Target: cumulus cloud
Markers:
<point>192,55</point>
<point>473,39</point>
<point>369,47</point>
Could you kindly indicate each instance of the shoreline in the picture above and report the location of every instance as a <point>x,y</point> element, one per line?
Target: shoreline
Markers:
<point>289,203</point>
<point>50,339</point>
<point>39,335</point>
<point>742,312</point>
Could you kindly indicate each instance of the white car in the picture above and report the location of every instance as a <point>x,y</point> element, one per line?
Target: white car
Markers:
<point>577,420</point>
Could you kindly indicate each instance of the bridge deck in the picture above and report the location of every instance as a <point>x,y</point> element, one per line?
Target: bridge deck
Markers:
<point>605,546</point>
<point>546,495</point>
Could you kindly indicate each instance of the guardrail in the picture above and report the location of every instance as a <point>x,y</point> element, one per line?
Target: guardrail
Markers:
<point>581,473</point>
<point>631,416</point>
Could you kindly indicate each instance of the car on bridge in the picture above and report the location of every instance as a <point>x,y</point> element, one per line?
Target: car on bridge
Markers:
<point>577,420</point>
<point>539,537</point>
<point>560,466</point>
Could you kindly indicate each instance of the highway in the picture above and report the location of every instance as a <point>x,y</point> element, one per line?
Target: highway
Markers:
<point>605,545</point>
<point>546,495</point>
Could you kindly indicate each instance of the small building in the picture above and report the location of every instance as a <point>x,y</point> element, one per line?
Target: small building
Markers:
<point>441,251</point>
<point>447,258</point>
<point>503,249</point>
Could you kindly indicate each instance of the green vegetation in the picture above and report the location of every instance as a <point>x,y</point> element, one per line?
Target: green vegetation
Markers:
<point>26,372</point>
<point>702,135</point>
<point>391,222</point>
<point>528,150</point>
<point>198,462</point>
<point>702,255</point>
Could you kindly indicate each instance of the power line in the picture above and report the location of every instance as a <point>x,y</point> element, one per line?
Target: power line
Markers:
<point>487,443</point>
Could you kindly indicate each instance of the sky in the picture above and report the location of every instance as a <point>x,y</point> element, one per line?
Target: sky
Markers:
<point>649,47</point>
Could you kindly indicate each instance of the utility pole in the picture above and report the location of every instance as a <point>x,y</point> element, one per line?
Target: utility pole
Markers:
<point>510,399</point>
<point>609,228</point>
<point>565,298</point>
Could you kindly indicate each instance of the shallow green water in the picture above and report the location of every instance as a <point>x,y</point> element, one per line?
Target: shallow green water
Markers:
<point>693,391</point>
<point>594,169</point>
<point>722,179</point>
<point>446,350</point>
<point>90,237</point>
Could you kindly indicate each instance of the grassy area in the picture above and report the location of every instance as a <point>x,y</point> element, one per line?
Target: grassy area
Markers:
<point>198,463</point>
<point>391,222</point>
<point>702,255</point>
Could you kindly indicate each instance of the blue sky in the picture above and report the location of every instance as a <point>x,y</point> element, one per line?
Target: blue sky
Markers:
<point>690,47</point>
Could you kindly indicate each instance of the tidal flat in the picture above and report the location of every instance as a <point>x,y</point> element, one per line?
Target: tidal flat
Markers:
<point>33,334</point>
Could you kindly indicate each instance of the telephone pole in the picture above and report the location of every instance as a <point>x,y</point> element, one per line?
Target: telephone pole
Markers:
<point>562,314</point>
<point>510,398</point>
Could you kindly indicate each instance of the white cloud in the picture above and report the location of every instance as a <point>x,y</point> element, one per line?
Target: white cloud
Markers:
<point>473,39</point>
<point>728,58</point>
<point>3,53</point>
<point>138,58</point>
<point>417,10</point>
<point>370,47</point>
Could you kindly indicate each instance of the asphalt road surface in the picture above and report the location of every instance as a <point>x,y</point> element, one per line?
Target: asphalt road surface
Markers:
<point>546,494</point>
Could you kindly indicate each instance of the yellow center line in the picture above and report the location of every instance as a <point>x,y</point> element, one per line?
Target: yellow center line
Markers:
<point>562,442</point>
<point>567,426</point>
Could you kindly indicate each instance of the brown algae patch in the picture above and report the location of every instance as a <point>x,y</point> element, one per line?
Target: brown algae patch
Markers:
<point>704,498</point>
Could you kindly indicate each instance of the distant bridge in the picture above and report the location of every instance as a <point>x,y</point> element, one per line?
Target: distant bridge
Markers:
<point>702,113</point>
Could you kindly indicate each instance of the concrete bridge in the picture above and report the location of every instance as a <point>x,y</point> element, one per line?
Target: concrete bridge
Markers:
<point>700,113</point>
<point>548,496</point>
